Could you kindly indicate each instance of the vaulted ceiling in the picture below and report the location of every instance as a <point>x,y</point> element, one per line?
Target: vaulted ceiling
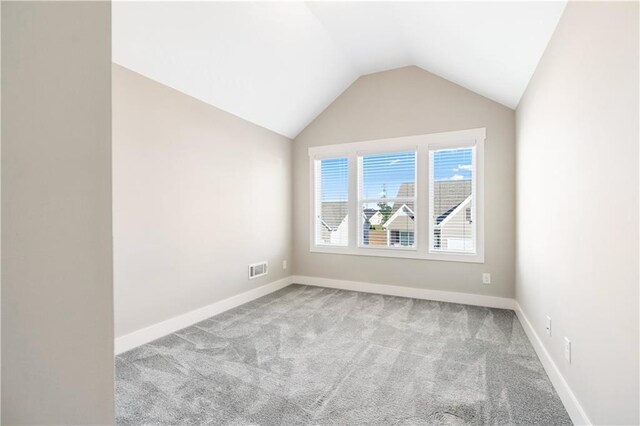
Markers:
<point>280,64</point>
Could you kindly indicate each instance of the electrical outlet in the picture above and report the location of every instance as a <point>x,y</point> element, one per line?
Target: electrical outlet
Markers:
<point>284,264</point>
<point>486,278</point>
<point>567,349</point>
<point>549,325</point>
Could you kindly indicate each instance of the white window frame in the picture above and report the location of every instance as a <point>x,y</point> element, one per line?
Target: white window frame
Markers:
<point>361,199</point>
<point>422,145</point>
<point>317,203</point>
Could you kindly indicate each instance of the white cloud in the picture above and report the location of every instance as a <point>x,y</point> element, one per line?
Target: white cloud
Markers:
<point>465,167</point>
<point>396,161</point>
<point>456,177</point>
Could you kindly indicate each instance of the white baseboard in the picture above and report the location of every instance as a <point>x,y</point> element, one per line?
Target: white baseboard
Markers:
<point>155,331</point>
<point>416,293</point>
<point>571,403</point>
<point>575,410</point>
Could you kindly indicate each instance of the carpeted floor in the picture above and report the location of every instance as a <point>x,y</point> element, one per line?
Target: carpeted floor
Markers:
<point>309,355</point>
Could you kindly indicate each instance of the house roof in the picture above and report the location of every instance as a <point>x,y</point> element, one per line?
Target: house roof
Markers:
<point>405,190</point>
<point>333,213</point>
<point>446,214</point>
<point>369,213</point>
<point>404,209</point>
<point>402,219</point>
<point>443,219</point>
<point>280,64</point>
<point>448,194</point>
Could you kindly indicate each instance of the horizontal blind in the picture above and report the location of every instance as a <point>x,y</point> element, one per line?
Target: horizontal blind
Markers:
<point>387,199</point>
<point>452,200</point>
<point>332,197</point>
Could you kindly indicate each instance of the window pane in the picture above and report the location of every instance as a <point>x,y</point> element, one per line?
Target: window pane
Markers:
<point>452,201</point>
<point>387,199</point>
<point>383,175</point>
<point>332,226</point>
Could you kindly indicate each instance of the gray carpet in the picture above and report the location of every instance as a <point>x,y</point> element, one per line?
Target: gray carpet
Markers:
<point>308,355</point>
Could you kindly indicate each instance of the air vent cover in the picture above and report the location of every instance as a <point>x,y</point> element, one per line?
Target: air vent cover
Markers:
<point>258,269</point>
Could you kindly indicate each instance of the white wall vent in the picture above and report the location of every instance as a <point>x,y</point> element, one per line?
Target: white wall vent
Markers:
<point>258,269</point>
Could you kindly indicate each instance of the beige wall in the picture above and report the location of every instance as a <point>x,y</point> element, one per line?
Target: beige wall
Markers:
<point>57,300</point>
<point>577,132</point>
<point>402,102</point>
<point>199,194</point>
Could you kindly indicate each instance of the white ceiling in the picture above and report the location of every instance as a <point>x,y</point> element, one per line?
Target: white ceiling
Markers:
<point>280,64</point>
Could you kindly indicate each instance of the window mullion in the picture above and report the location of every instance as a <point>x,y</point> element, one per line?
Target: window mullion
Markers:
<point>354,231</point>
<point>422,194</point>
<point>317,191</point>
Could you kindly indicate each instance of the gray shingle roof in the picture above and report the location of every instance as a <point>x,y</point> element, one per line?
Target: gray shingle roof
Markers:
<point>444,215</point>
<point>448,194</point>
<point>406,190</point>
<point>333,212</point>
<point>369,212</point>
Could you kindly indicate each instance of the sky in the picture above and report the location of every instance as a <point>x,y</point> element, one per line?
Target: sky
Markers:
<point>387,171</point>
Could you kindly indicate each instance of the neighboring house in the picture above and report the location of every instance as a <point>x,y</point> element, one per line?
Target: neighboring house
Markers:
<point>334,220</point>
<point>401,224</point>
<point>370,219</point>
<point>451,210</point>
<point>452,216</point>
<point>373,217</point>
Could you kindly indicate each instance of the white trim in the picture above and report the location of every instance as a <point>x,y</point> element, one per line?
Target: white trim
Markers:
<point>477,211</point>
<point>568,398</point>
<point>315,189</point>
<point>380,251</point>
<point>399,252</point>
<point>313,202</point>
<point>423,145</point>
<point>397,213</point>
<point>416,293</point>
<point>404,143</point>
<point>155,331</point>
<point>355,227</point>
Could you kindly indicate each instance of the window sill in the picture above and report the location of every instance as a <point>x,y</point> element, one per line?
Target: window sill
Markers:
<point>401,253</point>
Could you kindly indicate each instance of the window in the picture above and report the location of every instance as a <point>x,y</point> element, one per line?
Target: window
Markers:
<point>418,197</point>
<point>388,189</point>
<point>451,193</point>
<point>332,190</point>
